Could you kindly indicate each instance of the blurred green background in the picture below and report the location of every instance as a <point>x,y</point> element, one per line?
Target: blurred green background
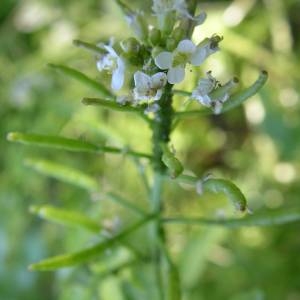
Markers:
<point>256,145</point>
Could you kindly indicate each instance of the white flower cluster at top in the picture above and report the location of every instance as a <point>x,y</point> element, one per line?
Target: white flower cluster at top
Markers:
<point>161,55</point>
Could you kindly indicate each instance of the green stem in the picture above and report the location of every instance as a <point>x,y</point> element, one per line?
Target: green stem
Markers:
<point>161,127</point>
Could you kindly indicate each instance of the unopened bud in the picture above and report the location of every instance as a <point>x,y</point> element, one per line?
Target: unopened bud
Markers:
<point>178,34</point>
<point>171,44</point>
<point>155,36</point>
<point>130,46</point>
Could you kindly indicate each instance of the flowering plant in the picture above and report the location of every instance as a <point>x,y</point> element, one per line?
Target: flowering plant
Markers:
<point>158,55</point>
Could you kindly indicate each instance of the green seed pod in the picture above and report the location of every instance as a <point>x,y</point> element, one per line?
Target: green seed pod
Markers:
<point>171,162</point>
<point>229,189</point>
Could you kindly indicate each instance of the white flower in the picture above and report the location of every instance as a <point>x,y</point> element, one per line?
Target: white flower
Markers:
<point>163,7</point>
<point>112,63</point>
<point>204,87</point>
<point>211,93</point>
<point>186,52</point>
<point>148,87</point>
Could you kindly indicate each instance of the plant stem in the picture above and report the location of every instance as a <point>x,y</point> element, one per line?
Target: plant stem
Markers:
<point>161,128</point>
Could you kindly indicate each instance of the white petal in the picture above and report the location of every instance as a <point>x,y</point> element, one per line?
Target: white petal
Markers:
<point>186,46</point>
<point>158,95</point>
<point>110,50</point>
<point>176,75</point>
<point>158,80</point>
<point>142,81</point>
<point>199,56</point>
<point>205,100</point>
<point>117,79</point>
<point>164,60</point>
<point>200,18</point>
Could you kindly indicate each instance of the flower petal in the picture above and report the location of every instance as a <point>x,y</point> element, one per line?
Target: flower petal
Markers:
<point>158,95</point>
<point>110,50</point>
<point>199,19</point>
<point>176,75</point>
<point>164,60</point>
<point>142,81</point>
<point>117,79</point>
<point>199,56</point>
<point>158,80</point>
<point>186,46</point>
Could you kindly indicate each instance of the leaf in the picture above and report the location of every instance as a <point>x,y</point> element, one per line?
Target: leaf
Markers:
<point>65,217</point>
<point>52,142</point>
<point>63,173</point>
<point>79,257</point>
<point>73,73</point>
<point>240,97</point>
<point>265,218</point>
<point>68,144</point>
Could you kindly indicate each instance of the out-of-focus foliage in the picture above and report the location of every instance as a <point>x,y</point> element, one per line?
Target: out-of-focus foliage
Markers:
<point>257,145</point>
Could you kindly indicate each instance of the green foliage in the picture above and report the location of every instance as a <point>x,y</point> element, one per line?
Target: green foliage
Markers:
<point>256,144</point>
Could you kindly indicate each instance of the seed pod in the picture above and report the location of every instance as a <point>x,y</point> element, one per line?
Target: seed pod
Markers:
<point>172,163</point>
<point>231,191</point>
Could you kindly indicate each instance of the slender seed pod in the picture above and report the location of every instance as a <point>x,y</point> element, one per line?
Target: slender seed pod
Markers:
<point>229,189</point>
<point>172,163</point>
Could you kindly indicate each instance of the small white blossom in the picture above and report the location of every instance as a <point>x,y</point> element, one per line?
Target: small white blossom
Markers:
<point>204,87</point>
<point>163,7</point>
<point>112,63</point>
<point>210,93</point>
<point>186,52</point>
<point>148,87</point>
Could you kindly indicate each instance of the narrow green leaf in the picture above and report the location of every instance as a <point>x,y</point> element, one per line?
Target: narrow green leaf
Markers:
<point>83,256</point>
<point>240,97</point>
<point>68,144</point>
<point>63,173</point>
<point>65,217</point>
<point>265,218</point>
<point>52,142</point>
<point>88,46</point>
<point>73,73</point>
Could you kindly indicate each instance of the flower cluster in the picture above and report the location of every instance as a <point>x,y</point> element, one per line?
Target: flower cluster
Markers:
<point>160,55</point>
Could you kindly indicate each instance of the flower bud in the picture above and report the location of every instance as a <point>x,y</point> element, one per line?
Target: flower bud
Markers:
<point>130,46</point>
<point>155,36</point>
<point>171,44</point>
<point>166,22</point>
<point>178,34</point>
